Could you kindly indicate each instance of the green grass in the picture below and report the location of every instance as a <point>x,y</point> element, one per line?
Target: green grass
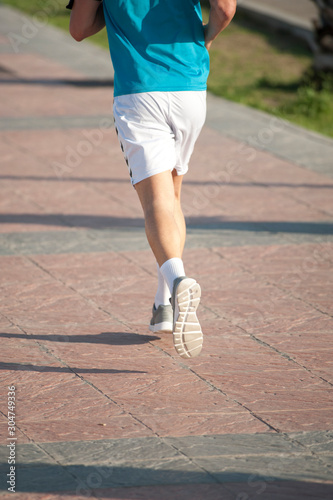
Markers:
<point>271,71</point>
<point>251,65</point>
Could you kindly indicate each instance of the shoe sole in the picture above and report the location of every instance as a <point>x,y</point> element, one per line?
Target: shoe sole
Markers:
<point>164,327</point>
<point>187,334</point>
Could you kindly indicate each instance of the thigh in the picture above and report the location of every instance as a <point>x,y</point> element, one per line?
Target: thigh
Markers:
<point>177,184</point>
<point>157,190</point>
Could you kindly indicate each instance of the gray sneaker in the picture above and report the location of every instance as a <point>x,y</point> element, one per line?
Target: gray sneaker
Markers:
<point>161,320</point>
<point>187,334</point>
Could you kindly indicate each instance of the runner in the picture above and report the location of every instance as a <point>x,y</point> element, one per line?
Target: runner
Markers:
<point>159,51</point>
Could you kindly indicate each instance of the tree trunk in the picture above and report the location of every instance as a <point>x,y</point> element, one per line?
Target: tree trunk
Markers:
<point>323,48</point>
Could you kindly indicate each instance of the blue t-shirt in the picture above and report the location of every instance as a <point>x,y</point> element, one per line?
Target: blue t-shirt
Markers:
<point>156,45</point>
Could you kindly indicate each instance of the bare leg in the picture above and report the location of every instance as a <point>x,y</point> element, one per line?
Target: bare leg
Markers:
<point>165,228</point>
<point>178,213</point>
<point>164,221</point>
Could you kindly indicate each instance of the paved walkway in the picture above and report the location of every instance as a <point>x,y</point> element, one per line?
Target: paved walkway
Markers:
<point>297,12</point>
<point>103,408</point>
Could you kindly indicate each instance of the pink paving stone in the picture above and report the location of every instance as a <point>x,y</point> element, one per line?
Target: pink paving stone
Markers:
<point>85,266</point>
<point>318,397</point>
<point>201,424</point>
<point>310,323</point>
<point>128,308</point>
<point>320,197</point>
<point>194,260</point>
<point>61,395</point>
<point>271,170</point>
<point>274,252</point>
<point>302,261</point>
<point>36,66</point>
<point>229,360</point>
<point>21,437</point>
<point>106,278</point>
<point>4,323</point>
<point>84,429</point>
<point>63,410</point>
<point>242,384</point>
<point>318,362</point>
<point>255,324</point>
<point>303,342</point>
<point>264,168</point>
<point>299,420</point>
<point>39,303</point>
<point>256,313</point>
<point>209,143</point>
<point>79,206</point>
<point>161,393</point>
<point>36,99</point>
<point>22,269</point>
<point>243,285</point>
<point>51,144</point>
<point>19,351</point>
<point>95,345</point>
<point>21,227</point>
<point>102,354</point>
<point>160,492</point>
<point>297,281</point>
<point>217,339</point>
<point>101,364</point>
<point>19,165</point>
<point>324,306</point>
<point>14,215</point>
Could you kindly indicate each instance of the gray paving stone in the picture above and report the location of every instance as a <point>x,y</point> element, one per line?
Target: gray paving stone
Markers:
<point>320,442</point>
<point>290,467</point>
<point>193,459</point>
<point>52,122</point>
<point>299,11</point>
<point>235,445</point>
<point>112,451</point>
<point>118,240</point>
<point>74,241</point>
<point>268,133</point>
<point>281,14</point>
<point>30,454</point>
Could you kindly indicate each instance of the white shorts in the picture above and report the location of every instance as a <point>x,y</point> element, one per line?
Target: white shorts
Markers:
<point>157,131</point>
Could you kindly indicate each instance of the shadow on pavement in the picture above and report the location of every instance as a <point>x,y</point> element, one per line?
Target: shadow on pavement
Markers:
<point>59,369</point>
<point>56,82</point>
<point>108,338</point>
<point>188,182</point>
<point>87,481</point>
<point>209,223</point>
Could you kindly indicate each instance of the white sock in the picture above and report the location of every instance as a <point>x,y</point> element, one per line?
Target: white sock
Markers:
<point>163,293</point>
<point>172,269</point>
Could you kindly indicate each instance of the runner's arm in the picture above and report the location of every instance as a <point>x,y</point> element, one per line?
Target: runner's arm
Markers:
<point>220,14</point>
<point>87,18</point>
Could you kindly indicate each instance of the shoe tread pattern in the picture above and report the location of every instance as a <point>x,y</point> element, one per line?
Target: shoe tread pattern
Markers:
<point>187,334</point>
